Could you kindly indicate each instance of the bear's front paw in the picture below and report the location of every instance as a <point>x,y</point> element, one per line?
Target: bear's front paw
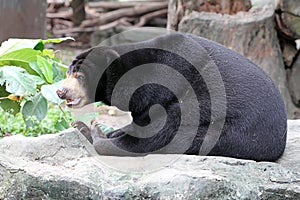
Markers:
<point>96,131</point>
<point>83,128</point>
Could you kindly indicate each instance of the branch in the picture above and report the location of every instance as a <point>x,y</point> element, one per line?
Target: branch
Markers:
<point>124,12</point>
<point>118,5</point>
<point>64,14</point>
<point>122,21</point>
<point>145,18</point>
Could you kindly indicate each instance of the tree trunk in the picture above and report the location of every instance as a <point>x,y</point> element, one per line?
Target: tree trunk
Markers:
<point>252,35</point>
<point>78,11</point>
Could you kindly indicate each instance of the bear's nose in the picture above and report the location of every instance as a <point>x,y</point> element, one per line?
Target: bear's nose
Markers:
<point>61,93</point>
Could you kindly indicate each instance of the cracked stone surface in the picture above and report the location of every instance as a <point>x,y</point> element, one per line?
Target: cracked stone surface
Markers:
<point>65,166</point>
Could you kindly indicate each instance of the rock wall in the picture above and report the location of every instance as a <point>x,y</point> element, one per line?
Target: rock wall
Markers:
<point>65,166</point>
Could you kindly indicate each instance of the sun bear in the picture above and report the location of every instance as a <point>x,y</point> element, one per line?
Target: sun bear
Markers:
<point>186,95</point>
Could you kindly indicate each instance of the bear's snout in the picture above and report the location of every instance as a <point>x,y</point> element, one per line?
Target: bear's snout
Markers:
<point>61,93</point>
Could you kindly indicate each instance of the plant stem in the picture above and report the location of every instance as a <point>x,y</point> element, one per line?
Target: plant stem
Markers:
<point>64,113</point>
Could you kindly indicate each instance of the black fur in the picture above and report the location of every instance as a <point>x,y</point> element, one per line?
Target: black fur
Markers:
<point>255,122</point>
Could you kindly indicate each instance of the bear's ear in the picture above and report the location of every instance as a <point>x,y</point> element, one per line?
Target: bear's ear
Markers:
<point>100,55</point>
<point>84,54</point>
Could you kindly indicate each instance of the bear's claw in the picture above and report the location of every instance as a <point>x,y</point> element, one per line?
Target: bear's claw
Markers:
<point>83,128</point>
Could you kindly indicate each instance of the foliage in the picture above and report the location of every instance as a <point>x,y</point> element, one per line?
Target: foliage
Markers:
<point>29,75</point>
<point>55,121</point>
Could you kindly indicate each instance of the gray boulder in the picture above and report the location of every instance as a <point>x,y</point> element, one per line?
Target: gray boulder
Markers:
<point>65,166</point>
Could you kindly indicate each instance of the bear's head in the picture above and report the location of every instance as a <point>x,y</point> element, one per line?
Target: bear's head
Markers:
<point>86,77</point>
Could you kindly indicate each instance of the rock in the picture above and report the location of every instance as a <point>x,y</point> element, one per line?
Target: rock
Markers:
<point>252,34</point>
<point>288,21</point>
<point>289,52</point>
<point>65,166</point>
<point>262,3</point>
<point>291,158</point>
<point>122,35</point>
<point>293,75</point>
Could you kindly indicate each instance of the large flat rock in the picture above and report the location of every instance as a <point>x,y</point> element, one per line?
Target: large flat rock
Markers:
<point>65,166</point>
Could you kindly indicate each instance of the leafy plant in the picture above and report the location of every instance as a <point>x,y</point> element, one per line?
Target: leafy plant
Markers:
<point>29,75</point>
<point>54,121</point>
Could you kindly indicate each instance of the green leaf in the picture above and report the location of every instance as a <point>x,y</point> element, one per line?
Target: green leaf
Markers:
<point>8,105</point>
<point>49,92</point>
<point>61,125</point>
<point>38,80</point>
<point>17,81</point>
<point>46,68</point>
<point>21,58</point>
<point>59,71</point>
<point>57,40</point>
<point>14,44</point>
<point>39,46</point>
<point>49,53</point>
<point>38,70</point>
<point>36,108</point>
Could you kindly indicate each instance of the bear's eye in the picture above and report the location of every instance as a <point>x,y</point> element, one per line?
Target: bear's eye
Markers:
<point>80,77</point>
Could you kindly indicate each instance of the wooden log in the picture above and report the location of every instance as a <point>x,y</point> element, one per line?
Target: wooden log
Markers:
<point>175,13</point>
<point>123,21</point>
<point>64,14</point>
<point>124,12</point>
<point>118,5</point>
<point>251,34</point>
<point>64,22</point>
<point>229,7</point>
<point>145,18</point>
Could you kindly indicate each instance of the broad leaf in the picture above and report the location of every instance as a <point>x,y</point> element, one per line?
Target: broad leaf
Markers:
<point>36,108</point>
<point>46,68</point>
<point>14,44</point>
<point>37,69</point>
<point>8,105</point>
<point>20,58</point>
<point>17,81</point>
<point>57,40</point>
<point>38,80</point>
<point>49,92</point>
<point>59,72</point>
<point>61,125</point>
<point>49,53</point>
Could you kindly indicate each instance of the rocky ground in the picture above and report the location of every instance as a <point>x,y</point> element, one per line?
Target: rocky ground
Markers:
<point>65,166</point>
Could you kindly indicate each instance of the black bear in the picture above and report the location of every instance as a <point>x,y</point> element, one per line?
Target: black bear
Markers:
<point>186,94</point>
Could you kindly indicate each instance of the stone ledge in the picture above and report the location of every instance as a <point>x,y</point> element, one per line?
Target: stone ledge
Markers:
<point>65,166</point>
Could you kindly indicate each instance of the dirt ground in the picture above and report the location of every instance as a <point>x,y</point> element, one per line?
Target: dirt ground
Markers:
<point>107,115</point>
